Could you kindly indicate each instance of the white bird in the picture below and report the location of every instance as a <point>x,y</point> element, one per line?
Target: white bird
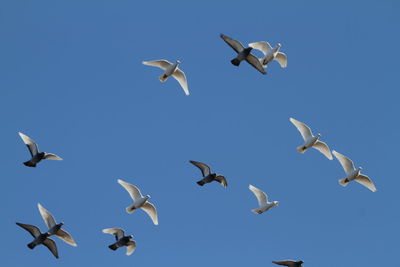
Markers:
<point>170,69</point>
<point>121,240</point>
<point>353,173</point>
<point>140,201</point>
<point>310,140</point>
<point>270,53</point>
<point>263,202</point>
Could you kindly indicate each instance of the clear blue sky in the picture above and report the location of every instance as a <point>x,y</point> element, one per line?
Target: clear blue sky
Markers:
<point>71,78</point>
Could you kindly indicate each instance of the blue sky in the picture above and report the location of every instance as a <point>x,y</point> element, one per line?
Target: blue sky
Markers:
<point>71,78</point>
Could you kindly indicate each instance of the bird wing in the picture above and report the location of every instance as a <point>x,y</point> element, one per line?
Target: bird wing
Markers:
<point>260,195</point>
<point>236,45</point>
<point>205,170</point>
<point>285,263</point>
<point>180,76</point>
<point>32,146</point>
<point>151,211</point>
<point>346,163</point>
<point>323,148</point>
<point>281,59</point>
<point>133,191</point>
<point>33,230</point>
<point>118,232</point>
<point>304,130</point>
<point>365,181</point>
<point>255,62</point>
<point>66,237</point>
<point>51,156</point>
<point>264,47</point>
<point>51,245</point>
<point>222,180</point>
<point>47,216</point>
<point>130,247</point>
<point>163,64</point>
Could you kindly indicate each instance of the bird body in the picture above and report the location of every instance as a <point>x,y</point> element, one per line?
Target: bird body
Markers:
<point>289,263</point>
<point>121,240</point>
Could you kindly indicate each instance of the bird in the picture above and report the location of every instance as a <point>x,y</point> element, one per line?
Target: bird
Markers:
<point>54,228</point>
<point>289,263</point>
<point>40,238</point>
<point>170,69</point>
<point>122,240</point>
<point>243,54</point>
<point>208,177</point>
<point>34,150</point>
<point>140,201</point>
<point>263,202</point>
<point>311,140</point>
<point>270,53</point>
<point>353,173</point>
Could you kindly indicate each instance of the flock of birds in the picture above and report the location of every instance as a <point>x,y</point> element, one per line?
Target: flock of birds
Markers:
<point>142,202</point>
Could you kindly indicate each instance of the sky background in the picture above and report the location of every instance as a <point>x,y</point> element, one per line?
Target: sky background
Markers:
<point>71,78</point>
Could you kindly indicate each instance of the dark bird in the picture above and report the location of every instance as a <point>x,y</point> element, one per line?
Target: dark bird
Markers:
<point>122,240</point>
<point>34,150</point>
<point>243,54</point>
<point>289,263</point>
<point>208,177</point>
<point>40,238</point>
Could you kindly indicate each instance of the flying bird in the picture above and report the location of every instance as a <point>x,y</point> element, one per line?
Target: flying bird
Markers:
<point>353,173</point>
<point>243,54</point>
<point>40,238</point>
<point>170,69</point>
<point>208,177</point>
<point>310,140</point>
<point>270,53</point>
<point>263,202</point>
<point>34,150</point>
<point>289,263</point>
<point>140,201</point>
<point>54,228</point>
<point>122,240</point>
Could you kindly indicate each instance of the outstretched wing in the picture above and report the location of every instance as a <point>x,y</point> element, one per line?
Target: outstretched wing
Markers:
<point>66,237</point>
<point>47,216</point>
<point>51,156</point>
<point>222,180</point>
<point>131,246</point>
<point>365,181</point>
<point>33,230</point>
<point>304,130</point>
<point>179,75</point>
<point>163,64</point>
<point>346,163</point>
<point>323,148</point>
<point>205,170</point>
<point>32,146</point>
<point>133,191</point>
<point>281,59</point>
<point>151,211</point>
<point>255,62</point>
<point>264,47</point>
<point>118,232</point>
<point>236,45</point>
<point>260,195</point>
<point>51,245</point>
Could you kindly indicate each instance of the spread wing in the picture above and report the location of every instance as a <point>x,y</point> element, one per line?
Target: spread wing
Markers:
<point>304,130</point>
<point>163,64</point>
<point>346,163</point>
<point>179,75</point>
<point>119,233</point>
<point>133,191</point>
<point>236,45</point>
<point>51,245</point>
<point>260,195</point>
<point>151,211</point>
<point>205,170</point>
<point>365,181</point>
<point>66,237</point>
<point>33,230</point>
<point>221,179</point>
<point>51,156</point>
<point>281,59</point>
<point>255,62</point>
<point>32,146</point>
<point>131,246</point>
<point>323,148</point>
<point>47,216</point>
<point>264,47</point>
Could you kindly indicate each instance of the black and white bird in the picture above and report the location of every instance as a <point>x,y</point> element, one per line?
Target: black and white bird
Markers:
<point>208,177</point>
<point>121,240</point>
<point>263,202</point>
<point>270,53</point>
<point>140,201</point>
<point>40,239</point>
<point>310,140</point>
<point>243,54</point>
<point>55,228</point>
<point>353,174</point>
<point>34,150</point>
<point>289,263</point>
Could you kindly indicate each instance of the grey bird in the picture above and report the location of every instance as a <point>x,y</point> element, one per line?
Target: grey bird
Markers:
<point>34,150</point>
<point>122,240</point>
<point>243,54</point>
<point>40,238</point>
<point>54,228</point>
<point>289,263</point>
<point>208,177</point>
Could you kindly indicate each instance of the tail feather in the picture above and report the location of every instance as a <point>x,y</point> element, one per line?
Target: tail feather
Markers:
<point>31,245</point>
<point>29,164</point>
<point>256,211</point>
<point>163,78</point>
<point>201,182</point>
<point>130,209</point>
<point>344,182</point>
<point>113,246</point>
<point>235,62</point>
<point>301,149</point>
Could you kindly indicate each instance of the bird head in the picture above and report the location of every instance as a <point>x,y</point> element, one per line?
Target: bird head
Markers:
<point>276,203</point>
<point>360,168</point>
<point>178,62</point>
<point>130,237</point>
<point>301,262</point>
<point>318,134</point>
<point>147,196</point>
<point>279,45</point>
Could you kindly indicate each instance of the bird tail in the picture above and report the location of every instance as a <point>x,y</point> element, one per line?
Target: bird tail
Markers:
<point>344,182</point>
<point>29,163</point>
<point>31,245</point>
<point>256,211</point>
<point>163,77</point>
<point>201,182</point>
<point>235,62</point>
<point>130,208</point>
<point>113,246</point>
<point>301,149</point>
